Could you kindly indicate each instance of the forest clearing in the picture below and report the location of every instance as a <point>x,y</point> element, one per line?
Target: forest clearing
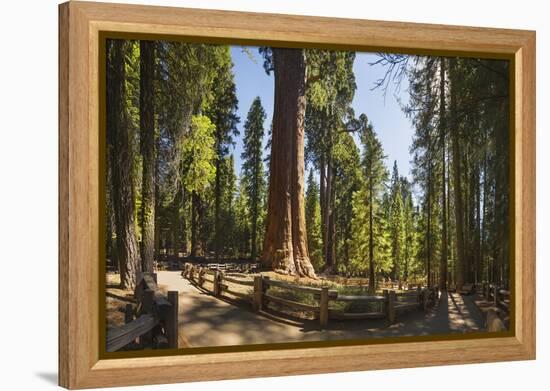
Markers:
<point>224,230</point>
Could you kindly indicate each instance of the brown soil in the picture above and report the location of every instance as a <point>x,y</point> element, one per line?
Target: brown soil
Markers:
<point>116,300</point>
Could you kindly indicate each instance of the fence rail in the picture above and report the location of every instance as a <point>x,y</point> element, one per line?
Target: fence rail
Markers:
<point>391,304</point>
<point>499,297</point>
<point>156,318</point>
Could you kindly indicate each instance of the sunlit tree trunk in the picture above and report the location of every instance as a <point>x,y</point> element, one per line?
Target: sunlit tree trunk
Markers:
<point>285,248</point>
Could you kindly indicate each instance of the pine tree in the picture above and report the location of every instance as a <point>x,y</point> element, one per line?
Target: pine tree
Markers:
<point>397,223</point>
<point>313,222</point>
<point>147,138</point>
<point>253,167</point>
<point>369,222</point>
<point>198,173</point>
<point>222,111</point>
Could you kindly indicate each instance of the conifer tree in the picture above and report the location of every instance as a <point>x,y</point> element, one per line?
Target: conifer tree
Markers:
<point>253,168</point>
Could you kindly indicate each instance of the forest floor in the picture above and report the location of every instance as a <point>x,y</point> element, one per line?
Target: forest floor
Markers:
<point>209,321</point>
<point>116,300</point>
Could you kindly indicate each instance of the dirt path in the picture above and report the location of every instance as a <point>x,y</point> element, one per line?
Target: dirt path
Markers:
<point>208,321</point>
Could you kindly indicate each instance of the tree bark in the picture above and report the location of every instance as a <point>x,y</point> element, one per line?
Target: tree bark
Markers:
<point>442,128</point>
<point>147,124</point>
<point>459,213</point>
<point>254,216</point>
<point>372,281</point>
<point>121,171</point>
<point>217,205</point>
<point>197,248</point>
<point>285,247</point>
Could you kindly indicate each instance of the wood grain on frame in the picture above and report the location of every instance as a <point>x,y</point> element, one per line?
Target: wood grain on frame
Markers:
<point>79,167</point>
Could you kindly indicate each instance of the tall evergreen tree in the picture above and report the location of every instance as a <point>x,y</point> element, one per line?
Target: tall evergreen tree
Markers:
<point>223,113</point>
<point>253,166</point>
<point>147,138</point>
<point>368,222</point>
<point>121,158</point>
<point>198,174</point>
<point>313,222</point>
<point>397,223</point>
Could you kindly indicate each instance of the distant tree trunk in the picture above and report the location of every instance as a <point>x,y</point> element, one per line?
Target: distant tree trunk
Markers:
<point>484,227</point>
<point>429,223</point>
<point>197,248</point>
<point>158,241</point>
<point>327,246</point>
<point>331,231</point>
<point>372,277</point>
<point>147,124</point>
<point>442,128</point>
<point>478,228</point>
<point>322,196</point>
<point>121,170</point>
<point>285,247</point>
<point>217,206</point>
<point>254,216</point>
<point>457,183</point>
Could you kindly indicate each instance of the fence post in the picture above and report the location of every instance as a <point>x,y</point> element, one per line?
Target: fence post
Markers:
<point>391,307</point>
<point>265,286</point>
<point>147,308</point>
<point>201,276</point>
<point>128,313</point>
<point>171,321</point>
<point>323,304</point>
<point>216,283</point>
<point>495,296</point>
<point>419,296</point>
<point>389,300</point>
<point>258,293</point>
<point>426,299</point>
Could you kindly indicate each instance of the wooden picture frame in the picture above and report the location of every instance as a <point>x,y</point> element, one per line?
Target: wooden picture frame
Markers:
<point>80,26</point>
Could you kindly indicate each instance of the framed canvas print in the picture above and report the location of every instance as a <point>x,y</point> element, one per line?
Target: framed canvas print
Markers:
<point>274,194</point>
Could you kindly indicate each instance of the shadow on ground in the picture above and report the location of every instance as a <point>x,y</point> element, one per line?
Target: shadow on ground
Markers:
<point>208,321</point>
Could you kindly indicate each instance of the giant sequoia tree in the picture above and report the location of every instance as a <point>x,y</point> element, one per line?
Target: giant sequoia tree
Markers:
<point>285,246</point>
<point>172,184</point>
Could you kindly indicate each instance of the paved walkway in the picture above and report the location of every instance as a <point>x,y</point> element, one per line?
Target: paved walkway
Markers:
<point>209,321</point>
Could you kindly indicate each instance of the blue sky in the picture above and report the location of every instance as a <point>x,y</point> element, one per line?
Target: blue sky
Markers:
<point>393,128</point>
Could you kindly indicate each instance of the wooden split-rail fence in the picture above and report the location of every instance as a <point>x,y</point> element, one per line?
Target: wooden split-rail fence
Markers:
<point>498,296</point>
<point>154,321</point>
<point>390,303</point>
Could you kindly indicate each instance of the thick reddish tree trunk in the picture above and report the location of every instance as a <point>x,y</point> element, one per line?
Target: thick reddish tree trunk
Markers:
<point>285,247</point>
<point>121,167</point>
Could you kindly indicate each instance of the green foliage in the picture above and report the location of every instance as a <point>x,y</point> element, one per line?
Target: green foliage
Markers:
<point>242,219</point>
<point>198,155</point>
<point>252,168</point>
<point>369,200</point>
<point>397,224</point>
<point>313,222</point>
